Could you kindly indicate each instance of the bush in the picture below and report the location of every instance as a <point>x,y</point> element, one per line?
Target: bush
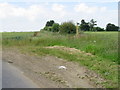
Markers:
<point>45,28</point>
<point>98,29</point>
<point>68,27</point>
<point>111,27</point>
<point>48,28</point>
<point>55,27</point>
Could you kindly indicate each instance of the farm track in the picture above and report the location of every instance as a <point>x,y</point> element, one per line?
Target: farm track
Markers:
<point>45,72</point>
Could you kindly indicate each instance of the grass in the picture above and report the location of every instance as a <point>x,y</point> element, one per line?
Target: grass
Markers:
<point>105,68</point>
<point>103,45</point>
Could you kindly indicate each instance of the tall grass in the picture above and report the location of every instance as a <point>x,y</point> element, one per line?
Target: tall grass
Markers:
<point>104,45</point>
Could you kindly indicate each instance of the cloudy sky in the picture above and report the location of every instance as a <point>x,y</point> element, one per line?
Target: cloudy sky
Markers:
<point>31,15</point>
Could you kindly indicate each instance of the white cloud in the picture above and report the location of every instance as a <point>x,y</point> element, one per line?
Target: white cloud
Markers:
<point>57,7</point>
<point>8,11</point>
<point>87,9</point>
<point>32,17</point>
<point>84,8</point>
<point>58,10</point>
<point>102,9</point>
<point>33,11</point>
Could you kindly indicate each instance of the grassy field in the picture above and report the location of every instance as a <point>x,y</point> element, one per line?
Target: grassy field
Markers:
<point>103,45</point>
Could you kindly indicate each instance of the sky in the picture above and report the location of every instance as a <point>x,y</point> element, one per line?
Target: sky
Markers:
<point>32,15</point>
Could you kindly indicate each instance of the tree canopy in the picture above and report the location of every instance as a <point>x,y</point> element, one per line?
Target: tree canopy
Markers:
<point>84,26</point>
<point>50,23</point>
<point>111,27</point>
<point>55,27</point>
<point>92,23</point>
<point>69,27</point>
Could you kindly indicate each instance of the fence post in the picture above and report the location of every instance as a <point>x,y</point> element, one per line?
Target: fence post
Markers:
<point>77,27</point>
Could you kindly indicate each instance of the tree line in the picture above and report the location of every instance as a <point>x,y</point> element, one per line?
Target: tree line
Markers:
<point>69,27</point>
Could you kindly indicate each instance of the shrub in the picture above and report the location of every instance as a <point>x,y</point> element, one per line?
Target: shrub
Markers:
<point>45,28</point>
<point>55,27</point>
<point>98,29</point>
<point>35,34</point>
<point>111,27</point>
<point>84,26</point>
<point>48,28</point>
<point>68,27</point>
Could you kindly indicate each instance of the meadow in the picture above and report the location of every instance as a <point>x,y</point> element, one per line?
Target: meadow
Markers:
<point>102,45</point>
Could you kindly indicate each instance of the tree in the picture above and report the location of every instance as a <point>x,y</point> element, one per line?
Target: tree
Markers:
<point>83,21</point>
<point>50,23</point>
<point>111,27</point>
<point>47,24</point>
<point>45,28</point>
<point>84,26</point>
<point>68,27</point>
<point>55,27</point>
<point>49,28</point>
<point>98,29</point>
<point>92,23</point>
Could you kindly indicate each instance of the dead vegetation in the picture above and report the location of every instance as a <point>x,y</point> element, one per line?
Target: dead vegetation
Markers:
<point>69,50</point>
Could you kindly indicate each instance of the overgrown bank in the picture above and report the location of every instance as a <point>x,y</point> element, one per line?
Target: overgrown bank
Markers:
<point>99,44</point>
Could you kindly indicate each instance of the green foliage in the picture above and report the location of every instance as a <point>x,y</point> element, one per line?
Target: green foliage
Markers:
<point>92,23</point>
<point>45,28</point>
<point>68,28</point>
<point>84,26</point>
<point>92,49</point>
<point>49,28</point>
<point>102,42</point>
<point>111,27</point>
<point>55,27</point>
<point>49,23</point>
<point>98,29</point>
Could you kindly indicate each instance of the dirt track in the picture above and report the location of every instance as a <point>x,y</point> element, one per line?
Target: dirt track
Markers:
<point>45,71</point>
